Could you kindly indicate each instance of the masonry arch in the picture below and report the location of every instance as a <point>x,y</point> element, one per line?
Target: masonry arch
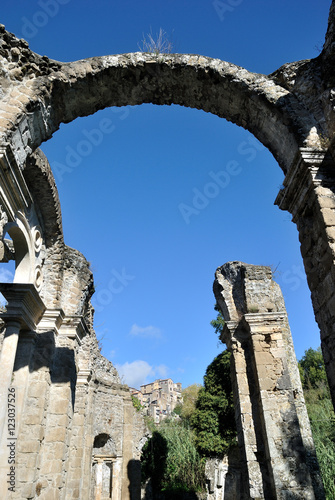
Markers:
<point>53,93</point>
<point>60,92</point>
<point>277,109</point>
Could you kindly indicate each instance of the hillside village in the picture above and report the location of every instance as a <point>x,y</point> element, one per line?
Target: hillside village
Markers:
<point>159,398</point>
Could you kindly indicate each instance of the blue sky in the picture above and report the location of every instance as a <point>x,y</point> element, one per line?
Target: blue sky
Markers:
<point>157,198</point>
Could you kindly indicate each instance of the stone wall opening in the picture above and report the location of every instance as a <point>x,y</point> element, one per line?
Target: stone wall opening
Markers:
<point>282,111</point>
<point>255,164</point>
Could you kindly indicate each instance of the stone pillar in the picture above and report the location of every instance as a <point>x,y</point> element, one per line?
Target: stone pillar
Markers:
<point>246,420</point>
<point>308,194</point>
<point>127,448</point>
<point>59,464</point>
<point>274,435</point>
<point>98,480</point>
<point>103,477</point>
<point>7,359</point>
<point>23,311</point>
<point>79,462</point>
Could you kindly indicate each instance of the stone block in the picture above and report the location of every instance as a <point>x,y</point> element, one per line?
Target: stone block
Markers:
<point>55,451</point>
<point>76,462</point>
<point>33,431</point>
<point>26,475</point>
<point>50,494</point>
<point>278,352</point>
<point>26,491</point>
<point>326,202</point>
<point>328,216</point>
<point>50,466</point>
<point>75,476</point>
<point>330,232</point>
<point>59,407</point>
<point>28,445</point>
<point>263,358</point>
<point>56,434</point>
<point>37,389</point>
<point>58,420</point>
<point>78,420</point>
<point>28,460</point>
<point>34,417</point>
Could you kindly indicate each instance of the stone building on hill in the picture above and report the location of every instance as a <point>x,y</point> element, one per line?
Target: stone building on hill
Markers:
<point>159,397</point>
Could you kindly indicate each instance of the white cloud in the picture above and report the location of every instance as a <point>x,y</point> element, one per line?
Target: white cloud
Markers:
<point>135,374</point>
<point>139,372</point>
<point>145,331</point>
<point>161,371</point>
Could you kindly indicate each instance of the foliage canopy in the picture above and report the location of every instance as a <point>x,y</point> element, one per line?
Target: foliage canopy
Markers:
<point>321,415</point>
<point>213,419</point>
<point>171,460</point>
<point>312,369</point>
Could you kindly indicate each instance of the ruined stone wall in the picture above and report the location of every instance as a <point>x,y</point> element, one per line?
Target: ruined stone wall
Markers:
<point>277,450</point>
<point>64,413</point>
<point>49,350</point>
<point>69,398</point>
<point>291,111</point>
<point>224,477</point>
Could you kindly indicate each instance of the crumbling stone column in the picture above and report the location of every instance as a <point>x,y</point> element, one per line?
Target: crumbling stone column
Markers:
<point>274,434</point>
<point>308,194</point>
<point>24,310</point>
<point>79,466</point>
<point>61,467</point>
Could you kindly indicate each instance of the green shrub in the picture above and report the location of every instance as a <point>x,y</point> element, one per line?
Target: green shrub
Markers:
<point>171,460</point>
<point>321,415</point>
<point>213,419</point>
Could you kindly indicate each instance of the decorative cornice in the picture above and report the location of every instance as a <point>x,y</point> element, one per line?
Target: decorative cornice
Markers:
<point>84,376</point>
<point>51,321</point>
<point>303,175</point>
<point>24,304</point>
<point>254,318</point>
<point>74,327</point>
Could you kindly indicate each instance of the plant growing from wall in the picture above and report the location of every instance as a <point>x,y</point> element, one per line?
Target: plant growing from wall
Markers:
<point>136,403</point>
<point>156,44</point>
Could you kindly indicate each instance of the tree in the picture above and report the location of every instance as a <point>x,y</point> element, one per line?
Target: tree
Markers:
<point>321,415</point>
<point>312,369</point>
<point>190,396</point>
<point>213,419</point>
<point>219,322</point>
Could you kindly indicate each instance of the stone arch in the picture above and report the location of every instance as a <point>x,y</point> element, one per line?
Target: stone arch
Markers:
<point>289,111</point>
<point>54,93</point>
<point>104,444</point>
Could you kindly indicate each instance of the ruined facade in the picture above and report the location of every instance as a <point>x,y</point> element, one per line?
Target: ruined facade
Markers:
<point>73,428</point>
<point>49,351</point>
<point>276,445</point>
